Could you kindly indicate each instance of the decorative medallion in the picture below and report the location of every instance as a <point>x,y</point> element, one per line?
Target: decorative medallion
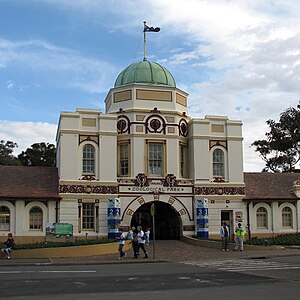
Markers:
<point>123,125</point>
<point>183,127</point>
<point>155,124</point>
<point>141,180</point>
<point>88,177</point>
<point>170,180</point>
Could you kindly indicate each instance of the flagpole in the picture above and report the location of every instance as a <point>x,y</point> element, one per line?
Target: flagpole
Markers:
<point>145,41</point>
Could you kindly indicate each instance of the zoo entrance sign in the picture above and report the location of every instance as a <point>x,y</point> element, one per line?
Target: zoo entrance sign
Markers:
<point>155,189</point>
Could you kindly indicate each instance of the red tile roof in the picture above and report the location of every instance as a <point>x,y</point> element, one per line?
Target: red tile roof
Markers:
<point>29,182</point>
<point>270,186</point>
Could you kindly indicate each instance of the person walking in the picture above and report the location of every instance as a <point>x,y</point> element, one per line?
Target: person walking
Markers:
<point>9,244</point>
<point>224,232</point>
<point>141,239</point>
<point>147,234</point>
<point>239,237</point>
<point>121,239</point>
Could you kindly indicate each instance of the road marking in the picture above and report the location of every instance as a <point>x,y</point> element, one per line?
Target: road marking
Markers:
<point>243,265</point>
<point>20,272</point>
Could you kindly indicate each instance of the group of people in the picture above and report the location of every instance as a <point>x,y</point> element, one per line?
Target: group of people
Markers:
<point>239,237</point>
<point>9,245</point>
<point>138,239</point>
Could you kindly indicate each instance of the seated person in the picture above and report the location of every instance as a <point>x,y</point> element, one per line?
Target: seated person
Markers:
<point>9,243</point>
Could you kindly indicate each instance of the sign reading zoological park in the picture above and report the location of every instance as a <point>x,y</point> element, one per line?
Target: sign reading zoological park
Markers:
<point>142,184</point>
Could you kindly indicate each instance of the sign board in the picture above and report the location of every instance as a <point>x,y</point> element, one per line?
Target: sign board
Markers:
<point>201,218</point>
<point>59,229</point>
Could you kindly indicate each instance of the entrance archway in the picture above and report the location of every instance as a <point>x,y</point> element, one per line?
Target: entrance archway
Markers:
<point>167,220</point>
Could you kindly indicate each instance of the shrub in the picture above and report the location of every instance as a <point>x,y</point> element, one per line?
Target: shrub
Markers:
<point>283,240</point>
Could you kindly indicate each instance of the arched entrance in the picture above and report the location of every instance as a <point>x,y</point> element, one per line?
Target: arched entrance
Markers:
<point>167,220</point>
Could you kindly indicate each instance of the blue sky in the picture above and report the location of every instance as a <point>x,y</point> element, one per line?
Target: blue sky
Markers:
<point>239,58</point>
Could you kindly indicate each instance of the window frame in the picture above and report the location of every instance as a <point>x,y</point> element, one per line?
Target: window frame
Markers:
<point>92,161</point>
<point>262,212</point>
<point>183,167</point>
<point>162,143</point>
<point>5,215</point>
<point>284,215</point>
<point>219,164</point>
<point>91,215</point>
<point>38,221</point>
<point>128,159</point>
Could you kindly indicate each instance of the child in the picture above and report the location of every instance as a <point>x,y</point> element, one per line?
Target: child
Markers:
<point>147,236</point>
<point>9,243</point>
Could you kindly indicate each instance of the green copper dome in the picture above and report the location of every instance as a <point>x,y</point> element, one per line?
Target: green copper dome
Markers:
<point>147,73</point>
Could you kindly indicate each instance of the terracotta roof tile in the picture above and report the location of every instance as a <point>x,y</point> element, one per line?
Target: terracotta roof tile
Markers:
<point>270,186</point>
<point>29,182</point>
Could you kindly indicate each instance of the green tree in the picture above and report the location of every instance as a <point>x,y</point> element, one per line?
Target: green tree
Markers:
<point>40,154</point>
<point>281,148</point>
<point>6,150</point>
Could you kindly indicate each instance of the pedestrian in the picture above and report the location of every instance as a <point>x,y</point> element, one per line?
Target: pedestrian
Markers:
<point>130,233</point>
<point>141,239</point>
<point>239,236</point>
<point>224,232</point>
<point>121,239</point>
<point>135,245</point>
<point>9,245</point>
<point>147,234</point>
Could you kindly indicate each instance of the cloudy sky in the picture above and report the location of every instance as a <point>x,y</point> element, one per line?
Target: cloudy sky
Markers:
<point>239,58</point>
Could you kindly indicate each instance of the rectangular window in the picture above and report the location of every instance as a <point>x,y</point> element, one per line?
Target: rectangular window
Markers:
<point>88,216</point>
<point>155,159</point>
<point>88,160</point>
<point>183,160</point>
<point>4,220</point>
<point>123,159</point>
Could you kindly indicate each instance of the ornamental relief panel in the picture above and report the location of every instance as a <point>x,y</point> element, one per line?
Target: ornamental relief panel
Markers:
<point>219,190</point>
<point>87,189</point>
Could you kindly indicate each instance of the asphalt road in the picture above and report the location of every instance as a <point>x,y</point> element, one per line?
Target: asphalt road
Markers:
<point>277,278</point>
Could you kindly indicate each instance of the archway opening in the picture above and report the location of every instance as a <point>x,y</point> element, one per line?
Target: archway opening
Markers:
<point>167,221</point>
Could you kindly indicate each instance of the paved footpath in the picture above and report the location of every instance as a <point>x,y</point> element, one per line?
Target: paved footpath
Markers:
<point>175,251</point>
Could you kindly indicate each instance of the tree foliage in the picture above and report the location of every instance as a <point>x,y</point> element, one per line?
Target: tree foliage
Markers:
<point>40,154</point>
<point>6,153</point>
<point>281,148</point>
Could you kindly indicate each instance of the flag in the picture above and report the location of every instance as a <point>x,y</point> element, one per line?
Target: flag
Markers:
<point>150,29</point>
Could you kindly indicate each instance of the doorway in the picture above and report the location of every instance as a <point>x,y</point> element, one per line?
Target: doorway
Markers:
<point>167,221</point>
<point>227,217</point>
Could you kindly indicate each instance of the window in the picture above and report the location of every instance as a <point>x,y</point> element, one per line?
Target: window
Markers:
<point>88,216</point>
<point>183,154</point>
<point>88,160</point>
<point>36,218</point>
<point>123,159</point>
<point>287,217</point>
<point>155,162</point>
<point>4,218</point>
<point>261,218</point>
<point>218,163</point>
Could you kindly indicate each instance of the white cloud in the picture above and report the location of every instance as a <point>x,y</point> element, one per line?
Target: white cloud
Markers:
<point>27,133</point>
<point>85,73</point>
<point>9,84</point>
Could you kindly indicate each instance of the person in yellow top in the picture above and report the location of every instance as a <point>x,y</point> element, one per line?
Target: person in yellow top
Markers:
<point>239,237</point>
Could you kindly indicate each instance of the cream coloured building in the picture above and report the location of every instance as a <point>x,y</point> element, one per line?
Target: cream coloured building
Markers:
<point>147,149</point>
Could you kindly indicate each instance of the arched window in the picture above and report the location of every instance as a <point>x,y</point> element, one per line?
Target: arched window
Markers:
<point>261,218</point>
<point>36,218</point>
<point>218,163</point>
<point>4,218</point>
<point>287,217</point>
<point>88,160</point>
